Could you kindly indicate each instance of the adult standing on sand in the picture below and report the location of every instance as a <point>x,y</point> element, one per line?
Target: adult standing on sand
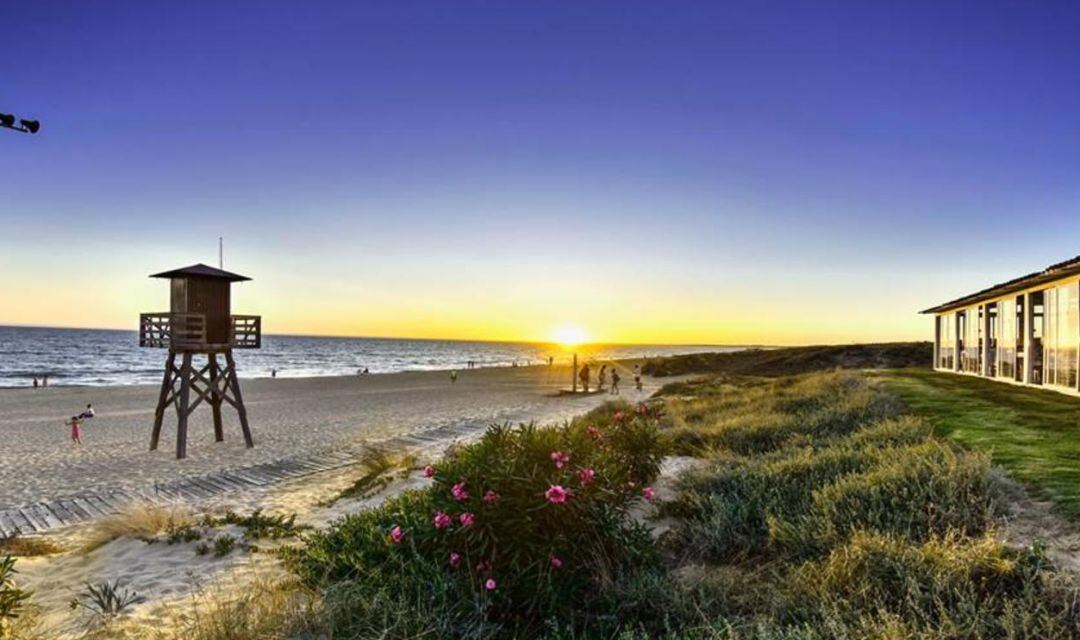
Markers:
<point>601,378</point>
<point>637,377</point>
<point>35,382</point>
<point>614,381</point>
<point>583,375</point>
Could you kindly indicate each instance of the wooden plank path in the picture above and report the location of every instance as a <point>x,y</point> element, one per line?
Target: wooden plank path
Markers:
<point>41,517</point>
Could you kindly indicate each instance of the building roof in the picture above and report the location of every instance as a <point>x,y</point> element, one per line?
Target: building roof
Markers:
<point>1053,272</point>
<point>201,271</point>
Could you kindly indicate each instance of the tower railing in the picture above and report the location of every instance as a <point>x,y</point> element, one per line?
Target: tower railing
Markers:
<point>167,329</point>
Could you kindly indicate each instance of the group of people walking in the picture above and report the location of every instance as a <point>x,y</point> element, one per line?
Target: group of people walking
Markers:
<point>585,373</point>
<point>43,382</point>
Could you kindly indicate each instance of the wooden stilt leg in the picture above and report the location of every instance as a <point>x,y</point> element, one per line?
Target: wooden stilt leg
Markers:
<point>183,409</point>
<point>159,413</point>
<point>240,409</point>
<point>215,397</point>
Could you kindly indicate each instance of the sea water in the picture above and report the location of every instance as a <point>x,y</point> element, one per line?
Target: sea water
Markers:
<point>96,357</point>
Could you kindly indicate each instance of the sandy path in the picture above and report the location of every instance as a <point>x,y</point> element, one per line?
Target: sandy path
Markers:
<point>288,417</point>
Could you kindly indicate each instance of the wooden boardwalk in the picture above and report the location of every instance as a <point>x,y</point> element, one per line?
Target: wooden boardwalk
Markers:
<point>41,517</point>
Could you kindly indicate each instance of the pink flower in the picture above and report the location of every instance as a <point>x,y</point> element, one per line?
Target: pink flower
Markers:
<point>648,493</point>
<point>586,476</point>
<point>560,459</point>
<point>490,584</point>
<point>429,471</point>
<point>556,562</point>
<point>455,559</point>
<point>397,534</point>
<point>441,520</point>
<point>593,432</point>
<point>490,497</point>
<point>467,519</point>
<point>620,416</point>
<point>459,492</point>
<point>556,494</point>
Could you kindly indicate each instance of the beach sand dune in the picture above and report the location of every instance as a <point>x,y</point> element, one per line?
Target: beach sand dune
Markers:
<point>289,416</point>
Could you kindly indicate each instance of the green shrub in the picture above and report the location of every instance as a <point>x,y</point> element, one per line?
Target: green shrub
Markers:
<point>726,509</point>
<point>948,587</point>
<point>917,492</point>
<point>891,432</point>
<point>525,526</point>
<point>223,545</point>
<point>12,598</point>
<point>756,416</point>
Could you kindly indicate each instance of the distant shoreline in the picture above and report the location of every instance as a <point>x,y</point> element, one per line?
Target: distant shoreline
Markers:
<point>111,358</point>
<point>331,378</point>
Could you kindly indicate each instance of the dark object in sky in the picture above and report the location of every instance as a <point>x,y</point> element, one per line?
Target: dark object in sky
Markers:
<point>7,120</point>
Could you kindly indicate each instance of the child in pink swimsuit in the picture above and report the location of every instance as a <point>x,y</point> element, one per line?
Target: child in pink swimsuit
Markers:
<point>76,429</point>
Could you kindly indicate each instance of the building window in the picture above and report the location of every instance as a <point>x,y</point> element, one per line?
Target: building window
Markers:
<point>1006,332</point>
<point>1061,335</point>
<point>946,341</point>
<point>971,353</point>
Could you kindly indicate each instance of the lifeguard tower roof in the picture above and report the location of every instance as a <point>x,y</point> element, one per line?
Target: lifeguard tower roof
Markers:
<point>201,271</point>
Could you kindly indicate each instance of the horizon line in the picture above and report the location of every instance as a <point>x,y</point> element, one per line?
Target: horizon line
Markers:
<point>369,337</point>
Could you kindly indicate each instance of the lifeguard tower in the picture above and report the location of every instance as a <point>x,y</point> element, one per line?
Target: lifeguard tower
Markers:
<point>199,323</point>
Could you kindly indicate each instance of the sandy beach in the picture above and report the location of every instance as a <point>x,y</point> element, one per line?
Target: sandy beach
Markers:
<point>288,417</point>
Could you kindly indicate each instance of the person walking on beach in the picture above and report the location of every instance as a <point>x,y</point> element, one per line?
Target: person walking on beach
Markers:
<point>35,382</point>
<point>89,413</point>
<point>601,378</point>
<point>614,381</point>
<point>76,429</point>
<point>637,377</point>
<point>44,381</point>
<point>583,376</point>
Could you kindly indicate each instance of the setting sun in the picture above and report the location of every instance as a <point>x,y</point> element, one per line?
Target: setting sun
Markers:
<point>568,335</point>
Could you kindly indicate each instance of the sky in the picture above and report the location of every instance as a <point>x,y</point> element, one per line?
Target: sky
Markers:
<point>663,172</point>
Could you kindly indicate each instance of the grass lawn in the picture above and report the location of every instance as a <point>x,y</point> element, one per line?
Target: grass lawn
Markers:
<point>1033,433</point>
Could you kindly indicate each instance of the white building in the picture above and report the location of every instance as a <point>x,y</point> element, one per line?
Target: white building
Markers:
<point>1025,331</point>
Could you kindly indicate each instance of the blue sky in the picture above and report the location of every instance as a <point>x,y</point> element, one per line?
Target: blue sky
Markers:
<point>698,172</point>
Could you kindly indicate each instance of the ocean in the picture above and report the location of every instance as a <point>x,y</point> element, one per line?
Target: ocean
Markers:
<point>97,357</point>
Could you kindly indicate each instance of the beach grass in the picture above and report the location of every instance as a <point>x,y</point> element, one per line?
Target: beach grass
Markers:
<point>141,521</point>
<point>1030,432</point>
<point>26,547</point>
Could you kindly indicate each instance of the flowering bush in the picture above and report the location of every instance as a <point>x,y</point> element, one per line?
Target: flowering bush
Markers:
<point>524,526</point>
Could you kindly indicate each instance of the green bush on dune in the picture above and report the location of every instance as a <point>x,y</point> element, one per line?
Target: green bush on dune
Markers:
<point>951,586</point>
<point>524,529</point>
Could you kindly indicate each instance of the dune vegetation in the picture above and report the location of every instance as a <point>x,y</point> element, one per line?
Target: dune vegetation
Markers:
<point>788,361</point>
<point>815,507</point>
